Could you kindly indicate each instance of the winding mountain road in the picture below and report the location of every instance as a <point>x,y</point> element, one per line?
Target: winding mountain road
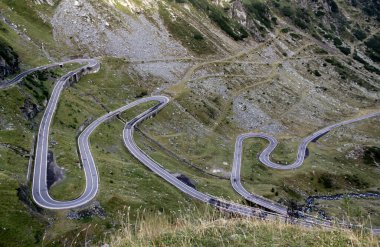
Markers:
<point>39,188</point>
<point>265,159</point>
<point>170,178</point>
<point>40,191</point>
<point>19,77</point>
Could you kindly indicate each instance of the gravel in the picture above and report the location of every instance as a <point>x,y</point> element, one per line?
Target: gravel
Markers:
<point>249,117</point>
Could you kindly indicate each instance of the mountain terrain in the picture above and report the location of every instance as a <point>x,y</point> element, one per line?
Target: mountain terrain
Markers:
<point>285,68</point>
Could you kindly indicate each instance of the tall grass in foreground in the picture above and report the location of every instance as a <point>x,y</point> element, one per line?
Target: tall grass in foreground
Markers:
<point>216,229</point>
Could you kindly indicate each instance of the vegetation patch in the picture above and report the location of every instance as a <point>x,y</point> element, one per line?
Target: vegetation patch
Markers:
<point>259,10</point>
<point>186,34</point>
<point>372,156</point>
<point>359,34</point>
<point>217,14</point>
<point>367,66</point>
<point>373,48</point>
<point>346,73</point>
<point>210,229</point>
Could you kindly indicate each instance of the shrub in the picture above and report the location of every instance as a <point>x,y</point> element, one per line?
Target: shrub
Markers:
<point>326,181</point>
<point>328,36</point>
<point>287,11</point>
<point>344,50</point>
<point>371,68</point>
<point>337,41</point>
<point>357,181</point>
<point>316,73</point>
<point>371,155</point>
<point>359,34</point>
<point>358,58</point>
<point>367,66</point>
<point>300,23</point>
<point>295,36</point>
<point>334,7</point>
<point>319,50</point>
<point>274,20</point>
<point>285,30</point>
<point>373,48</point>
<point>142,93</point>
<point>198,36</point>
<point>319,13</point>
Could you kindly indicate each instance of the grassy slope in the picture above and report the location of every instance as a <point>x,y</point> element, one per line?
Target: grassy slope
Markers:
<point>216,230</point>
<point>25,14</point>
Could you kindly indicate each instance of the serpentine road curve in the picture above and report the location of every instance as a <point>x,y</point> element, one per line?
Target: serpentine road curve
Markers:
<point>264,158</point>
<point>40,191</point>
<point>39,188</point>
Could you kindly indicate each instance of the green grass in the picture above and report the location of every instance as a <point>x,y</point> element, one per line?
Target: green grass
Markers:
<point>27,57</point>
<point>210,229</point>
<point>17,227</point>
<point>25,14</point>
<point>204,183</point>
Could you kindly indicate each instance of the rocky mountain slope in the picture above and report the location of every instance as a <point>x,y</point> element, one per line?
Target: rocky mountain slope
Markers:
<point>282,67</point>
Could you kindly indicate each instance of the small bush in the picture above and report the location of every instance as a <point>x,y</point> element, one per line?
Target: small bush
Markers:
<point>142,93</point>
<point>371,68</point>
<point>300,23</point>
<point>357,181</point>
<point>328,36</point>
<point>371,155</point>
<point>345,50</point>
<point>320,51</point>
<point>319,13</point>
<point>287,11</point>
<point>285,30</point>
<point>295,36</point>
<point>337,41</point>
<point>367,66</point>
<point>326,181</point>
<point>316,73</point>
<point>334,7</point>
<point>359,34</point>
<point>373,48</point>
<point>198,36</point>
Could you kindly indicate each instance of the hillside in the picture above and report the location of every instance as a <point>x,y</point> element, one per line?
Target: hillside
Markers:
<point>285,68</point>
<point>216,230</point>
